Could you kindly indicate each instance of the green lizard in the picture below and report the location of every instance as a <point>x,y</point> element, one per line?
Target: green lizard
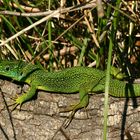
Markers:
<point>70,80</point>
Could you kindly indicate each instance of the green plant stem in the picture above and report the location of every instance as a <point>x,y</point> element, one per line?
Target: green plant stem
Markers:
<point>50,40</point>
<point>107,89</point>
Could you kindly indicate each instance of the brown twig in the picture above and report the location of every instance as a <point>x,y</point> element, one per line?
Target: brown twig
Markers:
<point>86,5</point>
<point>25,8</point>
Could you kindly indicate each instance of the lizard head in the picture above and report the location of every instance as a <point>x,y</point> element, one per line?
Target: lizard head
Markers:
<point>11,69</point>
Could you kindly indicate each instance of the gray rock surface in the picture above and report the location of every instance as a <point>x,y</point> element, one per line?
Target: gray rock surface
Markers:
<point>40,119</point>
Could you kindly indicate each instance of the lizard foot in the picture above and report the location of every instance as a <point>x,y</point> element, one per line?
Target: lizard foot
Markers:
<point>74,108</point>
<point>68,121</point>
<point>14,106</point>
<point>17,102</point>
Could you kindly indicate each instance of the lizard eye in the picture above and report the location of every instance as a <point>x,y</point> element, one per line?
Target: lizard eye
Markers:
<point>7,68</point>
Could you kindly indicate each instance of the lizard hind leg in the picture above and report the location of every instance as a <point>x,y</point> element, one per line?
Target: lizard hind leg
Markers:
<point>84,100</point>
<point>84,89</point>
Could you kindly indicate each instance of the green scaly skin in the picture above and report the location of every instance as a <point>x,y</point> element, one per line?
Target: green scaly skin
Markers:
<point>69,80</point>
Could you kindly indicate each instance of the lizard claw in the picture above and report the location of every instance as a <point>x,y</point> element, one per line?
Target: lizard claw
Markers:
<point>15,106</point>
<point>68,121</point>
<point>72,108</point>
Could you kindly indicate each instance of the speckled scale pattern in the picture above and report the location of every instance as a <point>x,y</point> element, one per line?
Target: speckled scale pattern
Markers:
<point>122,89</point>
<point>68,80</point>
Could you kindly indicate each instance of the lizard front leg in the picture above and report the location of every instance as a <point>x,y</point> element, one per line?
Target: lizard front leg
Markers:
<point>25,96</point>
